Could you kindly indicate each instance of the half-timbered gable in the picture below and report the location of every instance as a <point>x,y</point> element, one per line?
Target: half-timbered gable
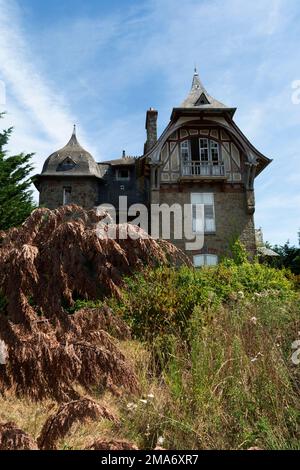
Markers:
<point>202,150</point>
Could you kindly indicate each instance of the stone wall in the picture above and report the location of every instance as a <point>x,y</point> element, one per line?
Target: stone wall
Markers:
<point>231,215</point>
<point>84,191</point>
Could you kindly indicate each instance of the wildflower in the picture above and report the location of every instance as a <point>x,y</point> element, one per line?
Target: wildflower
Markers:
<point>131,406</point>
<point>143,401</point>
<point>241,294</point>
<point>253,320</point>
<point>150,395</point>
<point>160,441</point>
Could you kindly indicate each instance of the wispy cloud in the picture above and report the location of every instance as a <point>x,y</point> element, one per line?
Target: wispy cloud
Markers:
<point>108,65</point>
<point>41,114</point>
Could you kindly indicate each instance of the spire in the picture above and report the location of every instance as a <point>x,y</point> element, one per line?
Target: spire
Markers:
<point>198,97</point>
<point>73,141</point>
<point>196,83</point>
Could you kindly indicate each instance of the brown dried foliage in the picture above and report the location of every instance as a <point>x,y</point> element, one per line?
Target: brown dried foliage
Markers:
<point>58,425</point>
<point>56,256</point>
<point>48,262</point>
<point>48,361</point>
<point>13,438</point>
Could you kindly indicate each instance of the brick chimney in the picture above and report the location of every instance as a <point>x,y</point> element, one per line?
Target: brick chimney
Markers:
<point>151,128</point>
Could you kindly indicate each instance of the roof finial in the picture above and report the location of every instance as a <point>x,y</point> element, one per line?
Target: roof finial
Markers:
<point>74,130</point>
<point>195,70</point>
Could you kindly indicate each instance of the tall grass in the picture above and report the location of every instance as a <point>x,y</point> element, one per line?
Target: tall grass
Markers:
<point>219,367</point>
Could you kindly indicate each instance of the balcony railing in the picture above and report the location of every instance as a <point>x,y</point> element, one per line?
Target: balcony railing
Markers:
<point>199,168</point>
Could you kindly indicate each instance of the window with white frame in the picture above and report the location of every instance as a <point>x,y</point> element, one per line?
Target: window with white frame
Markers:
<point>204,150</point>
<point>185,151</point>
<point>207,199</point>
<point>214,152</point>
<point>205,260</point>
<point>209,151</point>
<point>67,195</point>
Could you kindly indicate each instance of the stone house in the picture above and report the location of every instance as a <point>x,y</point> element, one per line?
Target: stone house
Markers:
<point>202,157</point>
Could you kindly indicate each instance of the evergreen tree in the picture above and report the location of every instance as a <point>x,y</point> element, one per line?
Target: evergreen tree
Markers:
<point>289,256</point>
<point>16,201</point>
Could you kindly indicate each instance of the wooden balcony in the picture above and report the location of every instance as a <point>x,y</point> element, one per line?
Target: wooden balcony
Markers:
<point>195,170</point>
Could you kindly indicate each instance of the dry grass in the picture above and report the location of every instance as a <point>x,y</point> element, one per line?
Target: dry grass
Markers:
<point>27,415</point>
<point>31,417</point>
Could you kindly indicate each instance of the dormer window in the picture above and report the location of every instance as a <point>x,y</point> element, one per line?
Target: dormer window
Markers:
<point>66,165</point>
<point>202,100</point>
<point>122,174</point>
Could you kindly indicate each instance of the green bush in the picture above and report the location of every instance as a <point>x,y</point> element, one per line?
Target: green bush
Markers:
<point>161,301</point>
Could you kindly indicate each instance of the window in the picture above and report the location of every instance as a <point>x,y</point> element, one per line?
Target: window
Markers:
<point>205,150</point>
<point>214,152</point>
<point>207,199</point>
<point>205,260</point>
<point>122,174</point>
<point>185,151</point>
<point>67,164</point>
<point>67,193</point>
<point>202,100</point>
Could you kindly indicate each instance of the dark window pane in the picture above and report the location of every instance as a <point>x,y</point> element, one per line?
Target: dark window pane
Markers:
<point>195,148</point>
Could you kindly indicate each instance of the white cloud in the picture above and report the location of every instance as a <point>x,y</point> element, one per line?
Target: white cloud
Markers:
<point>34,107</point>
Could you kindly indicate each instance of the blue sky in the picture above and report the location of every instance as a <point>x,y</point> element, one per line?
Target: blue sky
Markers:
<point>102,64</point>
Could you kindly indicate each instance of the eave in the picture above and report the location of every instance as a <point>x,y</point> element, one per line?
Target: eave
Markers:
<point>36,179</point>
<point>178,112</point>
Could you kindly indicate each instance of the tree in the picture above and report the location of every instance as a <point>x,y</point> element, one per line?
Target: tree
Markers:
<point>16,202</point>
<point>289,256</point>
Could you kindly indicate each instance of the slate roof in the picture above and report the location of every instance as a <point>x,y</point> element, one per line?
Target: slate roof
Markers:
<point>199,99</point>
<point>71,160</point>
<point>120,161</point>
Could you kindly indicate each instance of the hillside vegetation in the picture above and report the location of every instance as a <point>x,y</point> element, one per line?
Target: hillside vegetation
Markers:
<point>147,351</point>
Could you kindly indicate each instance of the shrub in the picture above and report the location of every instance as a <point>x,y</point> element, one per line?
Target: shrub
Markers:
<point>161,301</point>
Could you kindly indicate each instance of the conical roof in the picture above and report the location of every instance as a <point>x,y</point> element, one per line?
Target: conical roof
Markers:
<point>199,98</point>
<point>72,159</point>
